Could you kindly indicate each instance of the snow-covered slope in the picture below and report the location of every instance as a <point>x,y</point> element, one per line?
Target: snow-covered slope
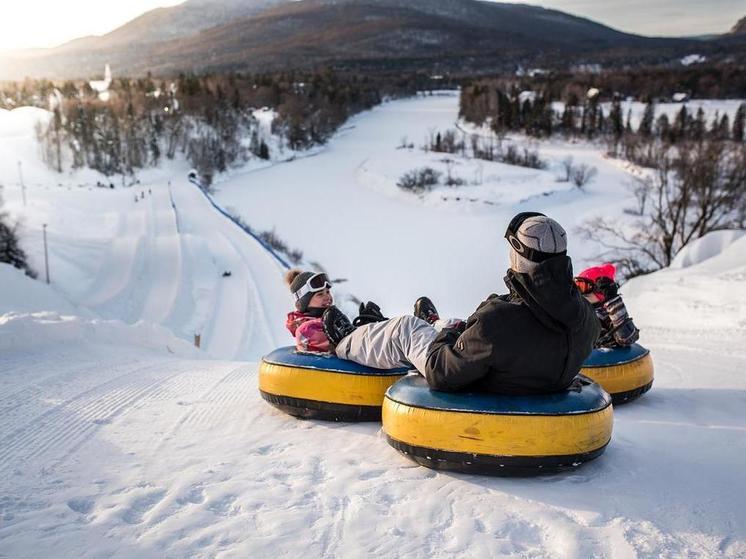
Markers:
<point>118,439</point>
<point>703,289</point>
<point>155,252</point>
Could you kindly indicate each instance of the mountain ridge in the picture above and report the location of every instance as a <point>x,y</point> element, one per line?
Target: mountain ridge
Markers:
<point>451,35</point>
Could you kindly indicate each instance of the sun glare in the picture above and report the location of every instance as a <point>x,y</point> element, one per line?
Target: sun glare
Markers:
<point>49,23</point>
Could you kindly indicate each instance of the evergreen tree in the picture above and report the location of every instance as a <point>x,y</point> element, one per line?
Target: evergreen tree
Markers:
<point>646,124</point>
<point>739,123</point>
<point>567,122</point>
<point>663,128</point>
<point>698,126</point>
<point>57,132</point>
<point>680,129</point>
<point>10,248</point>
<point>723,128</point>
<point>615,120</point>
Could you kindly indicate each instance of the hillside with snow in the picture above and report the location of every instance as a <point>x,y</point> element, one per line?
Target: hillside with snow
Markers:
<point>119,438</point>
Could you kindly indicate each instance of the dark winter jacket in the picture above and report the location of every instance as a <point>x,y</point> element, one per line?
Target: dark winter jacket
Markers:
<point>533,340</point>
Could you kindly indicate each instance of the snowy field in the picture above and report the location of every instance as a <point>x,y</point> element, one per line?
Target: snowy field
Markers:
<point>119,439</point>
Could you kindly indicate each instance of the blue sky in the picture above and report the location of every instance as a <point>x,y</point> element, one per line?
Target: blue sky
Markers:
<point>46,23</point>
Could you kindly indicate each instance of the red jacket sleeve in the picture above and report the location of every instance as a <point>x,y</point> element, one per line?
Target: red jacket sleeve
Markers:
<point>310,336</point>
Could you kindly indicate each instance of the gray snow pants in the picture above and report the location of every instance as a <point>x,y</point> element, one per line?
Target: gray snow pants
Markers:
<point>397,342</point>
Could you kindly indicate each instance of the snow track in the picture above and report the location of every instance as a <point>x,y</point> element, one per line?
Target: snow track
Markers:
<point>59,431</point>
<point>165,264</point>
<point>115,274</point>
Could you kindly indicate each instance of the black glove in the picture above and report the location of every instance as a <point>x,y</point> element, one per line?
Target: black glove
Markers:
<point>369,312</point>
<point>607,287</point>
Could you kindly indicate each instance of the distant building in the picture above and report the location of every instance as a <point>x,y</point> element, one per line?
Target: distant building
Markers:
<point>680,97</point>
<point>55,99</point>
<point>693,59</point>
<point>530,72</point>
<point>102,86</point>
<point>586,68</point>
<point>524,96</point>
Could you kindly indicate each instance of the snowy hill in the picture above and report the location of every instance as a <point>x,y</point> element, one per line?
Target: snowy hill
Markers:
<point>119,439</point>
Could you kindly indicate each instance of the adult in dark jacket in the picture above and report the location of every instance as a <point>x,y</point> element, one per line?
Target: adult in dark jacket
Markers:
<point>532,340</point>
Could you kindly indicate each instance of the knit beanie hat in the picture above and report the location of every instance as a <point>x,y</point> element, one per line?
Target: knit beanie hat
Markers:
<point>540,233</point>
<point>604,278</point>
<point>297,279</point>
<point>594,273</point>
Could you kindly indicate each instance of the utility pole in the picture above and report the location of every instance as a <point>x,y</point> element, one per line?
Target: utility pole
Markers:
<point>23,186</point>
<point>46,252</point>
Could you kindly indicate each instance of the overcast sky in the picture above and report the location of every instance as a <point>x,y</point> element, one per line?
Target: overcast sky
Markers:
<point>46,23</point>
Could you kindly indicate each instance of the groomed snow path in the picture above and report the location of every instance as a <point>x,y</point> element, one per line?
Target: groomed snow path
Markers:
<point>113,454</point>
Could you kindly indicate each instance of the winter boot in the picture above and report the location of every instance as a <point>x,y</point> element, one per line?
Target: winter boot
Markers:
<point>424,309</point>
<point>336,325</point>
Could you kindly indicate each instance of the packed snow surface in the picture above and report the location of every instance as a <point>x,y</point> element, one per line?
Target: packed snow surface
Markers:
<point>119,439</point>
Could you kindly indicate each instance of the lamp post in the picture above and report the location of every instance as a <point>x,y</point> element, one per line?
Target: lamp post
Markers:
<point>46,253</point>
<point>23,186</point>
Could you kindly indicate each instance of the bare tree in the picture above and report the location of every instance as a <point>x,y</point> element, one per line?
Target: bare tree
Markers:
<point>696,188</point>
<point>582,175</point>
<point>567,169</point>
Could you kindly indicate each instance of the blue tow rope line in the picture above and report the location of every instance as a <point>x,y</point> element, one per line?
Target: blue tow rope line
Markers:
<point>264,245</point>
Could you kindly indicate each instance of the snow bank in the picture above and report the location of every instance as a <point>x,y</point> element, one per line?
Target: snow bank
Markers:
<point>31,332</point>
<point>21,121</point>
<point>706,247</point>
<point>704,289</point>
<point>22,294</point>
<point>33,316</point>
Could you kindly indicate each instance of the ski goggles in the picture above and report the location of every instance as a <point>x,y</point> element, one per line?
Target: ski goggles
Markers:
<point>511,233</point>
<point>314,284</point>
<point>585,285</point>
<point>603,288</point>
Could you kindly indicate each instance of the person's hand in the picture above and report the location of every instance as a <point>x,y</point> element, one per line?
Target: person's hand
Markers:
<point>369,312</point>
<point>607,287</point>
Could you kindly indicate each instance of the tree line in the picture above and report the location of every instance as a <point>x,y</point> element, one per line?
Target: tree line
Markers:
<point>693,178</point>
<point>538,114</point>
<point>210,118</point>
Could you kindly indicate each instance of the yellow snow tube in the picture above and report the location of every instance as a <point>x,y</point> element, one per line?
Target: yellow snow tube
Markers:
<point>626,372</point>
<point>322,386</point>
<point>496,434</point>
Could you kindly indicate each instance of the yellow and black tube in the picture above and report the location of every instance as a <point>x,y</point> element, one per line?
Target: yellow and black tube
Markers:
<point>322,386</point>
<point>625,372</point>
<point>496,434</point>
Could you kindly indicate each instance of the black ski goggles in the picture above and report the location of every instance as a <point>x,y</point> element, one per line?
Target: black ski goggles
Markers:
<point>511,233</point>
<point>314,284</point>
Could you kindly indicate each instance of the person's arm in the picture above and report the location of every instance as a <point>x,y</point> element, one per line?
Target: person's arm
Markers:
<point>455,361</point>
<point>310,336</point>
